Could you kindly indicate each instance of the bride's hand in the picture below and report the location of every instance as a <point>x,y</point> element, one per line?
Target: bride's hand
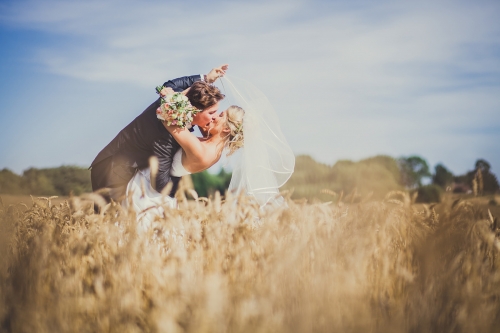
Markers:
<point>217,72</point>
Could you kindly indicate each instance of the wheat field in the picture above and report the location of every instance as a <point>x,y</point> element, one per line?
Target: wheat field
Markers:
<point>225,266</point>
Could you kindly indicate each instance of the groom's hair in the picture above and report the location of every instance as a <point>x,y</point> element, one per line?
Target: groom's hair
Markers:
<point>203,95</point>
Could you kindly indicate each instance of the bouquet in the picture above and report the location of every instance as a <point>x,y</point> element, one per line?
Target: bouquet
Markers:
<point>175,109</point>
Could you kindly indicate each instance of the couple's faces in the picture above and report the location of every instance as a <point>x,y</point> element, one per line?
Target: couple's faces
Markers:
<point>209,121</point>
<point>218,124</point>
<point>204,118</point>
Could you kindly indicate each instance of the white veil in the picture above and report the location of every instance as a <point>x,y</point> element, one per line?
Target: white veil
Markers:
<point>266,161</point>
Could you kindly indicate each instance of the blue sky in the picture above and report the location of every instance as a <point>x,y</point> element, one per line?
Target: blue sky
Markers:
<point>348,79</point>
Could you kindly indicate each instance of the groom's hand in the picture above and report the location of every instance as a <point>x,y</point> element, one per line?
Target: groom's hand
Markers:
<point>217,72</point>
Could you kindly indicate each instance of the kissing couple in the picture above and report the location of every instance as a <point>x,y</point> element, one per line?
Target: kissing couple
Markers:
<point>248,132</point>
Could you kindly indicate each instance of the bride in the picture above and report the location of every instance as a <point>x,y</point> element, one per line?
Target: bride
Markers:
<point>263,164</point>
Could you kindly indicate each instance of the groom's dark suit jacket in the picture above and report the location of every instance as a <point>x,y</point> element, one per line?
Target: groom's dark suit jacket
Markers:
<point>131,149</point>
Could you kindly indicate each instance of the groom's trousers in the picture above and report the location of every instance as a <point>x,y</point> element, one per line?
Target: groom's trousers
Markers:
<point>112,176</point>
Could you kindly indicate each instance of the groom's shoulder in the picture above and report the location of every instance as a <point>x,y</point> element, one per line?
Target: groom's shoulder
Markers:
<point>147,125</point>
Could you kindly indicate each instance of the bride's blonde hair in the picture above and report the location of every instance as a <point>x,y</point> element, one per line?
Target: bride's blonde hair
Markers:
<point>234,121</point>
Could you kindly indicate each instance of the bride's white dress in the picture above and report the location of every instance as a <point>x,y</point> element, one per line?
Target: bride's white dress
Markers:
<point>146,201</point>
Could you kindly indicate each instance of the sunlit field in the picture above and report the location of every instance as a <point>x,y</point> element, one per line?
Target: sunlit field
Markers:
<point>223,266</point>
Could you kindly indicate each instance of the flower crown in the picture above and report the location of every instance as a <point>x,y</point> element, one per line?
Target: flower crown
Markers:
<point>239,128</point>
<point>238,133</point>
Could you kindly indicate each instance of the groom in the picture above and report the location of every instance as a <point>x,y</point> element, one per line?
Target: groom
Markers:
<point>146,136</point>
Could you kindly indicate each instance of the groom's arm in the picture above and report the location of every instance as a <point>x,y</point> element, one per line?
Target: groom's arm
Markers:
<point>182,83</point>
<point>164,149</point>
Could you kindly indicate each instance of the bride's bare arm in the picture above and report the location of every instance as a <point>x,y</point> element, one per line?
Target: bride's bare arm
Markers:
<point>189,143</point>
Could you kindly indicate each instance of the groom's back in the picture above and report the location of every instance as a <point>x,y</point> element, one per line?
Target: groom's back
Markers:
<point>137,139</point>
<point>131,149</point>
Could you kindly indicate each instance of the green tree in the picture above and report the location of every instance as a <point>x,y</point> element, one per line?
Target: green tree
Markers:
<point>429,193</point>
<point>11,183</point>
<point>413,170</point>
<point>37,183</point>
<point>69,179</point>
<point>483,165</point>
<point>205,183</point>
<point>488,179</point>
<point>442,176</point>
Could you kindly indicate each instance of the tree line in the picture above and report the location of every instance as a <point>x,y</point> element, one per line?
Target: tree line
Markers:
<point>60,181</point>
<point>374,176</point>
<point>66,180</point>
<point>414,169</point>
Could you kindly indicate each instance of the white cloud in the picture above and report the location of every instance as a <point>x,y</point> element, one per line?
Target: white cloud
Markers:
<point>347,81</point>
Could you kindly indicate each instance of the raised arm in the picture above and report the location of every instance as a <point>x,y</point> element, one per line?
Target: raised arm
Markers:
<point>185,82</point>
